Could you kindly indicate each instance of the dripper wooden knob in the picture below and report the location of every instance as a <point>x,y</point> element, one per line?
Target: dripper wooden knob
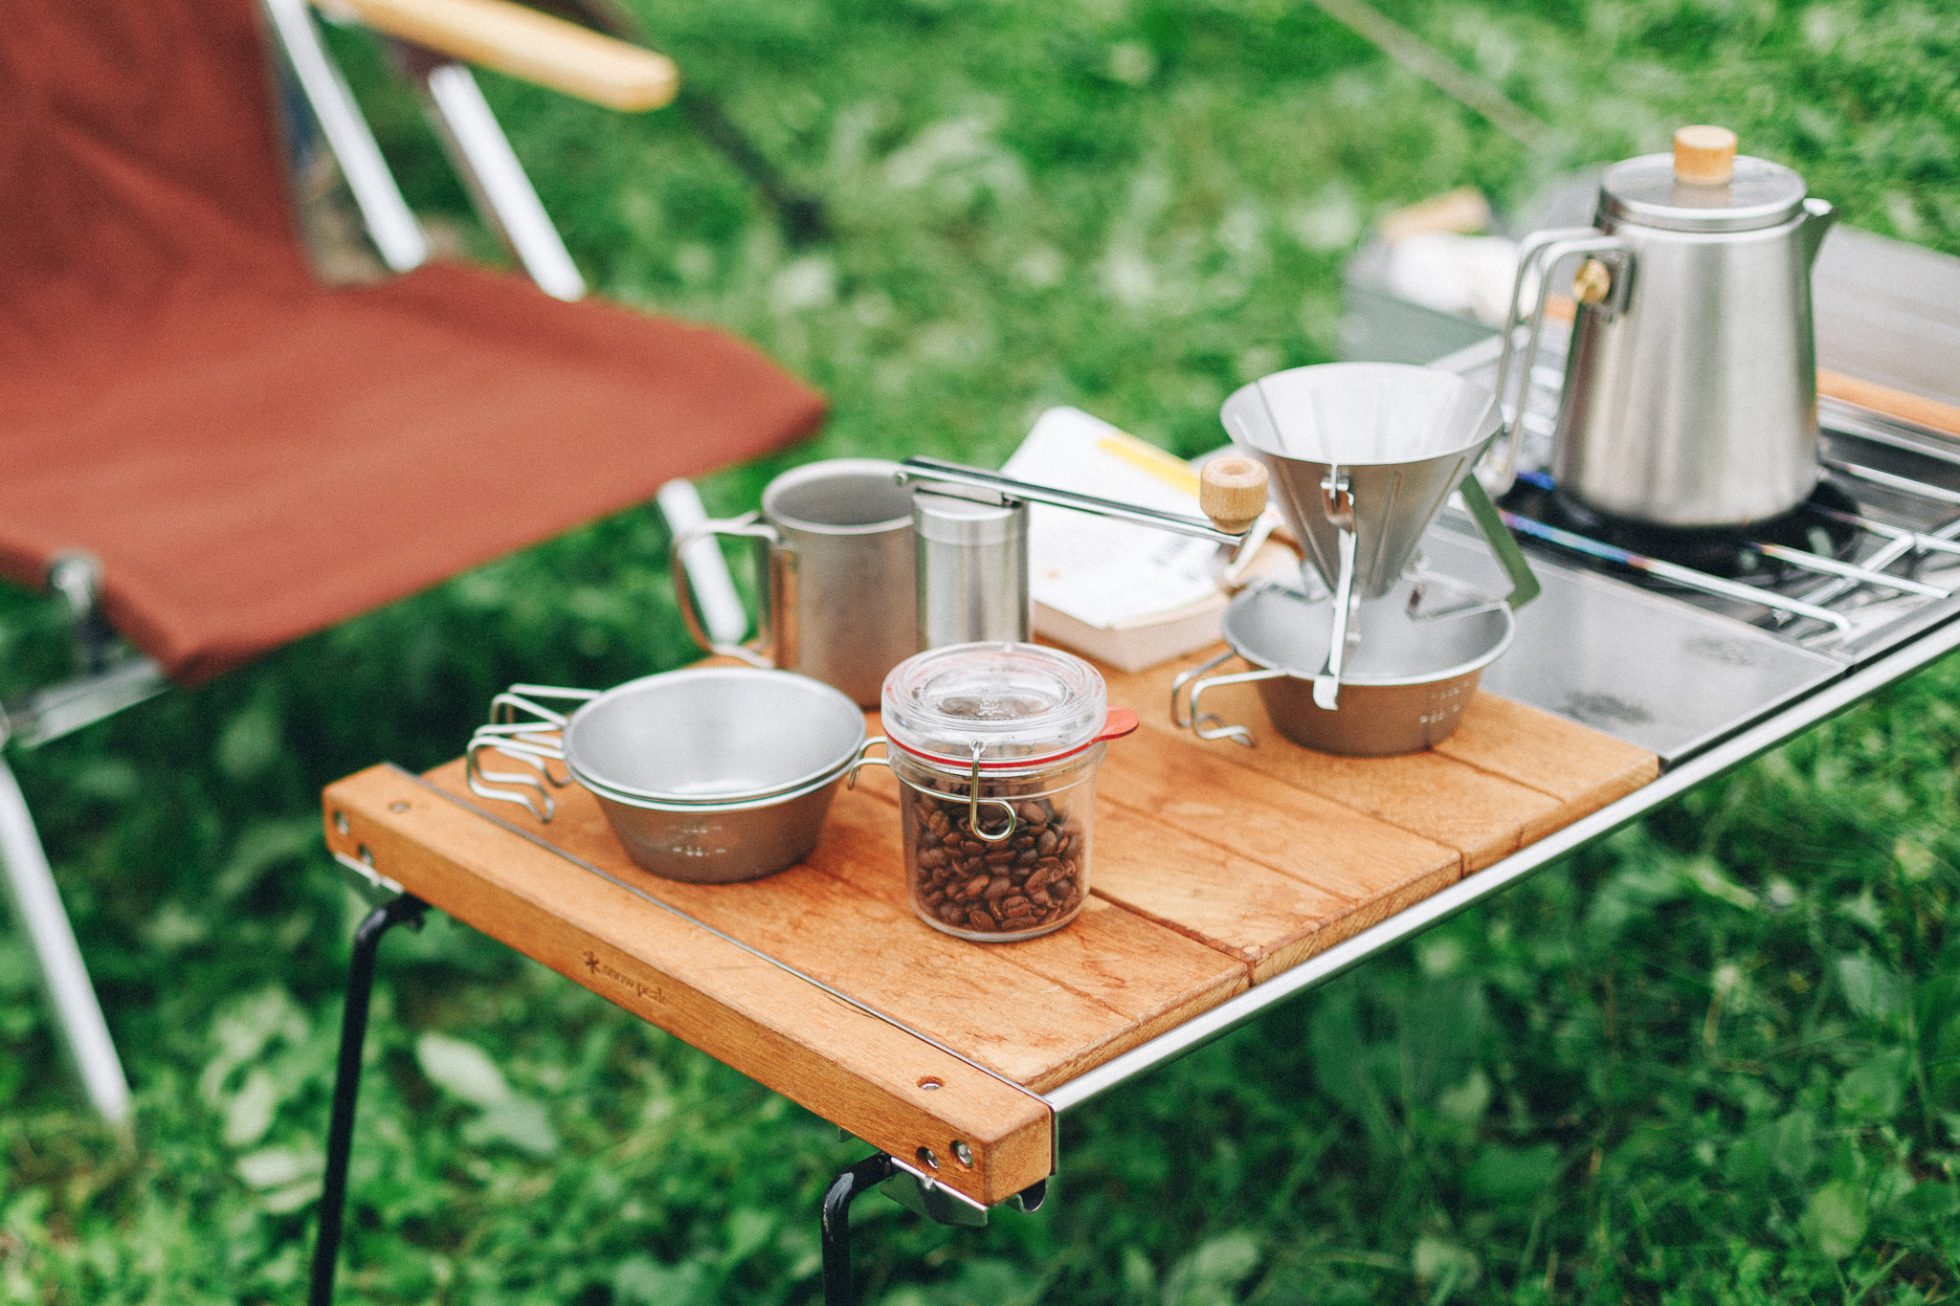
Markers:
<point>1704,155</point>
<point>1232,491</point>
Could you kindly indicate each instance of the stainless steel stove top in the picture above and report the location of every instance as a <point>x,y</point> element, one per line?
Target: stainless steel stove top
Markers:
<point>1664,662</point>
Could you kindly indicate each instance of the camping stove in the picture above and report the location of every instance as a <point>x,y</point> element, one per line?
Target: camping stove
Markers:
<point>1674,641</point>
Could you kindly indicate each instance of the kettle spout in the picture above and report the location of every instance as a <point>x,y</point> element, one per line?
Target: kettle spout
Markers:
<point>1818,219</point>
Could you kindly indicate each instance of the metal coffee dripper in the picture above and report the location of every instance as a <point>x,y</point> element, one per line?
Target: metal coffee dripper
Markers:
<point>1363,457</point>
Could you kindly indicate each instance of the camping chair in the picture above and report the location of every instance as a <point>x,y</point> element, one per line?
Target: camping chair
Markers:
<point>205,451</point>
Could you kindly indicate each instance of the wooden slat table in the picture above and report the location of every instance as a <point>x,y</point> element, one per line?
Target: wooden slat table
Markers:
<point>1216,868</point>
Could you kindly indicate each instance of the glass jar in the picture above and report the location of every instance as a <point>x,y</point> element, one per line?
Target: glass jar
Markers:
<point>996,747</point>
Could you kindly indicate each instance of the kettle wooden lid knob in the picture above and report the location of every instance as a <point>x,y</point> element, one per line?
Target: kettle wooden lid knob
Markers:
<point>1704,155</point>
<point>1232,491</point>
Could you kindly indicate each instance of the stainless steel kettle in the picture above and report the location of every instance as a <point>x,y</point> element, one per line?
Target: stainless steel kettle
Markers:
<point>1690,395</point>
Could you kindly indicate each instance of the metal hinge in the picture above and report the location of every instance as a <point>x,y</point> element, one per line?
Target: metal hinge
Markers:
<point>922,1194</point>
<point>371,884</point>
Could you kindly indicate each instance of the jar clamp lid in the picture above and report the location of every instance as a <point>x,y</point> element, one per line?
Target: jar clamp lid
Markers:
<point>997,708</point>
<point>1004,705</point>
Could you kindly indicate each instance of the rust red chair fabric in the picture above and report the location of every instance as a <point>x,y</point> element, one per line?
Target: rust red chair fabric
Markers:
<point>251,455</point>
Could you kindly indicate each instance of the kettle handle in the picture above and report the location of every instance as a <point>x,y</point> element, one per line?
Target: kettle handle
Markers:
<point>1542,252</point>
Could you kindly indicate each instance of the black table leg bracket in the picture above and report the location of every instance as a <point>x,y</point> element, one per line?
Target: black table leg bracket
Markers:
<point>852,1180</point>
<point>915,1190</point>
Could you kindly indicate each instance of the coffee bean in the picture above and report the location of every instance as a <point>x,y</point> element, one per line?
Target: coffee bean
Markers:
<point>1023,883</point>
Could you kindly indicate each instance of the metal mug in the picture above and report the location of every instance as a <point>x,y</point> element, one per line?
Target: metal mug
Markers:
<point>835,575</point>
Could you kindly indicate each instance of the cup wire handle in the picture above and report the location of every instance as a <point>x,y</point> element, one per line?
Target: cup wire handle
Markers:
<point>528,746</point>
<point>1181,716</point>
<point>505,707</point>
<point>1210,725</point>
<point>749,526</point>
<point>861,761</point>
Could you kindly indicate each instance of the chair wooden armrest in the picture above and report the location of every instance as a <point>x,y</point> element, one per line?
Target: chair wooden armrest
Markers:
<point>522,42</point>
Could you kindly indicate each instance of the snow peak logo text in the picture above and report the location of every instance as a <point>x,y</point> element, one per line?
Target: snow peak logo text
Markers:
<point>640,988</point>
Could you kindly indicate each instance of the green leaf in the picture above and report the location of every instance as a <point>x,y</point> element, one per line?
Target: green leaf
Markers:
<point>1445,1264</point>
<point>1870,987</point>
<point>1877,1089</point>
<point>1917,864</point>
<point>992,1281</point>
<point>522,1122</point>
<point>1933,1204</point>
<point>1707,875</point>
<point>1504,1174</point>
<point>250,742</point>
<point>277,1167</point>
<point>1339,1052</point>
<point>643,1281</point>
<point>261,846</point>
<point>1209,1272</point>
<point>462,1070</point>
<point>245,1029</point>
<point>249,1112</point>
<point>748,1228</point>
<point>1467,1102</point>
<point>1834,1220</point>
<point>292,1197</point>
<point>1790,1143</point>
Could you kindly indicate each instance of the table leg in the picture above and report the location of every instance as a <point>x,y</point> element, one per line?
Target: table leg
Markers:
<point>347,1084</point>
<point>868,1173</point>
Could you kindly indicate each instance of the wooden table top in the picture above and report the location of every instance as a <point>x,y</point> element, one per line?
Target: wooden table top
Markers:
<point>1216,868</point>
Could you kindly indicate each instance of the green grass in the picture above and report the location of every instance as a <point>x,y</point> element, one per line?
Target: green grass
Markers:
<point>1715,1058</point>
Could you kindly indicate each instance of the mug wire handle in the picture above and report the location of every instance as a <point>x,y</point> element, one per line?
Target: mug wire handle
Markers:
<point>749,526</point>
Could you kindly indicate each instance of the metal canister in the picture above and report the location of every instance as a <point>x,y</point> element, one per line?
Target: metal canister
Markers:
<point>972,570</point>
